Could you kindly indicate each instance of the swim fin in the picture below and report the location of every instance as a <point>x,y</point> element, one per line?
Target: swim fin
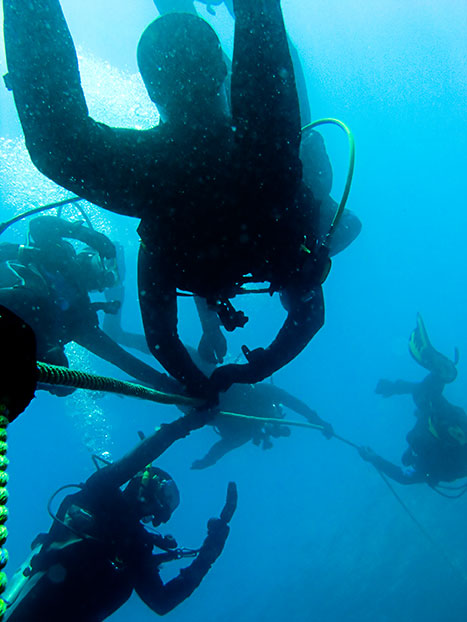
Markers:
<point>425,354</point>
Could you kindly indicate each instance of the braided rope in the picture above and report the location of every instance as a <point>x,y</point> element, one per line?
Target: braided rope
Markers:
<point>3,501</point>
<point>55,374</point>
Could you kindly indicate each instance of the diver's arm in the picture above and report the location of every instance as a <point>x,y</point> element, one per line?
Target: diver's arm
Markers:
<point>166,345</point>
<point>213,345</point>
<point>45,229</point>
<point>304,319</point>
<point>163,598</point>
<point>95,161</point>
<point>158,301</point>
<point>388,388</point>
<point>402,476</point>
<point>265,106</point>
<point>148,450</point>
<point>293,403</point>
<point>96,341</point>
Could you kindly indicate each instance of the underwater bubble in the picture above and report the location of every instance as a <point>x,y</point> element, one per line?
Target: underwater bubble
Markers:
<point>89,417</point>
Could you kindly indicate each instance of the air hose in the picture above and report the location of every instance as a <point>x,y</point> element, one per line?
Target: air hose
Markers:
<point>348,182</point>
<point>3,500</point>
<point>42,208</point>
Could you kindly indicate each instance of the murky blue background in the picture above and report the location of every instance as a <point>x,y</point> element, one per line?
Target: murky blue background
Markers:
<point>317,535</point>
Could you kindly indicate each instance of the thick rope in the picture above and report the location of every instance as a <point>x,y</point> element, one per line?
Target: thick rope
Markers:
<point>55,374</point>
<point>3,508</point>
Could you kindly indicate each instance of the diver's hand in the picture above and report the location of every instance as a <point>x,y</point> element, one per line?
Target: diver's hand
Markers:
<point>98,241</point>
<point>328,430</point>
<point>256,369</point>
<point>367,454</point>
<point>213,346</point>
<point>102,244</point>
<point>386,388</point>
<point>218,528</point>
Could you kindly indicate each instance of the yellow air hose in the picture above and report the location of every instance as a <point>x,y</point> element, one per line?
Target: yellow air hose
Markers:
<point>348,182</point>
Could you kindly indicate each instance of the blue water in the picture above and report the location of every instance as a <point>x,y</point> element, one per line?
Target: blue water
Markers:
<point>317,535</point>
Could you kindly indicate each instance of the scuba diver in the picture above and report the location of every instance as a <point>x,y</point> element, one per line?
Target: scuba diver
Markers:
<point>317,170</point>
<point>47,283</point>
<point>98,550</point>
<point>317,175</point>
<point>437,450</point>
<point>259,400</point>
<point>220,195</point>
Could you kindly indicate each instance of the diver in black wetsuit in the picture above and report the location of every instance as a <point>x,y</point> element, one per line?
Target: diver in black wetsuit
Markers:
<point>220,196</point>
<point>259,400</point>
<point>47,284</point>
<point>437,448</point>
<point>98,551</point>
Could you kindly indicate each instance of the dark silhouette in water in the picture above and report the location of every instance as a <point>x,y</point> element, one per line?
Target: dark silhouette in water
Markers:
<point>47,284</point>
<point>220,196</point>
<point>437,448</point>
<point>259,400</point>
<point>98,551</point>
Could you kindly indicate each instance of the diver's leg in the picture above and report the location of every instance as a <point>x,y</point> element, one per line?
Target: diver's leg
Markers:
<point>265,106</point>
<point>217,451</point>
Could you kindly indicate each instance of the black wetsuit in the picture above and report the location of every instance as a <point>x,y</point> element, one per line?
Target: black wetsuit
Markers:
<point>42,285</point>
<point>86,573</point>
<point>217,200</point>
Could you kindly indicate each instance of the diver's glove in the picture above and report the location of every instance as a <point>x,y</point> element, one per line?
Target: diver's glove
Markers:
<point>218,528</point>
<point>212,347</point>
<point>328,430</point>
<point>326,427</point>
